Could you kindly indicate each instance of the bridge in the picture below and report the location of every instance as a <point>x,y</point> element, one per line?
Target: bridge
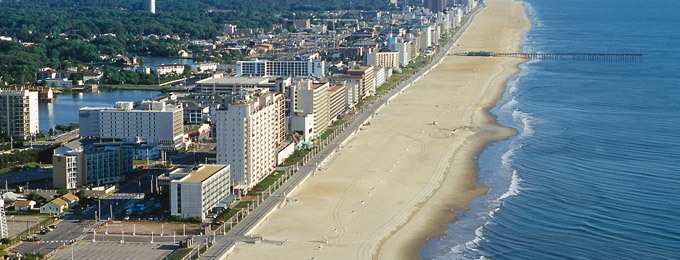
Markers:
<point>569,56</point>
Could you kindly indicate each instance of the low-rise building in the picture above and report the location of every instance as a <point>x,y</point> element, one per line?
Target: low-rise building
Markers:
<point>195,191</point>
<point>71,199</point>
<point>54,207</point>
<point>170,69</point>
<point>24,205</point>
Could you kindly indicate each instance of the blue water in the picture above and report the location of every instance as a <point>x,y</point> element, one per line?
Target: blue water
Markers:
<point>595,170</point>
<point>64,109</point>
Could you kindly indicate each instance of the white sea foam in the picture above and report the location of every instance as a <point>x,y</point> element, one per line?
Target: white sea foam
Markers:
<point>526,121</point>
<point>509,105</point>
<point>528,129</point>
<point>531,13</point>
<point>514,188</point>
<point>506,158</point>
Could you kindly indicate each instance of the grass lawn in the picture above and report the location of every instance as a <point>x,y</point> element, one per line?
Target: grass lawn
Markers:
<point>179,254</point>
<point>268,181</point>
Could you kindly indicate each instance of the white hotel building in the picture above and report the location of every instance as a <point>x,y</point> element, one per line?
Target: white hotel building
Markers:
<point>149,121</point>
<point>306,66</point>
<point>248,132</point>
<point>195,191</point>
<point>19,113</point>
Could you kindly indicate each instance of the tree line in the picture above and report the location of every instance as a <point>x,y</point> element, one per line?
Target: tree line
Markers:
<point>67,33</point>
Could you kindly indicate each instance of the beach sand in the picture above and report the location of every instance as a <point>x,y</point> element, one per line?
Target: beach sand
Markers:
<point>395,184</point>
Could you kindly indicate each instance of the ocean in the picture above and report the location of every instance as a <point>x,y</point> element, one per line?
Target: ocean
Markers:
<point>594,172</point>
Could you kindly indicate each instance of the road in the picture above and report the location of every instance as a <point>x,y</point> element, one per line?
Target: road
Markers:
<point>224,243</point>
<point>197,153</point>
<point>62,138</point>
<point>70,229</point>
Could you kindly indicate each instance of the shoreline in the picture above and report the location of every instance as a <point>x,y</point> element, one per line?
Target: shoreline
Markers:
<point>439,221</point>
<point>399,180</point>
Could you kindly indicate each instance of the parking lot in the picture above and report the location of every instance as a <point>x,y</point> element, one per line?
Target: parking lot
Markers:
<point>20,223</point>
<point>114,250</point>
<point>139,227</point>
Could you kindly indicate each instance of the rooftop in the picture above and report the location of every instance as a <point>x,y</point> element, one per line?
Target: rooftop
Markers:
<point>335,88</point>
<point>70,197</point>
<point>236,80</point>
<point>202,173</point>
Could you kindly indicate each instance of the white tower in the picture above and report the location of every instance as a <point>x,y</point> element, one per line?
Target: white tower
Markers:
<point>4,232</point>
<point>152,6</point>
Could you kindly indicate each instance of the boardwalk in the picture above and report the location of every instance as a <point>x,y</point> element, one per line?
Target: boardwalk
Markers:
<point>571,56</point>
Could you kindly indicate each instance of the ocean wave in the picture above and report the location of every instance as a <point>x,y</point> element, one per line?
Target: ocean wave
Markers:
<point>525,121</point>
<point>506,158</point>
<point>514,188</point>
<point>509,105</point>
<point>533,16</point>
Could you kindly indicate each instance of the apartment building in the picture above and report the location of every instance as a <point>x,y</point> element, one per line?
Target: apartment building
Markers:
<point>87,163</point>
<point>302,66</point>
<point>19,113</point>
<point>248,131</point>
<point>147,121</point>
<point>379,76</point>
<point>312,98</point>
<point>385,59</point>
<point>366,74</point>
<point>234,85</point>
<point>195,191</point>
<point>336,98</point>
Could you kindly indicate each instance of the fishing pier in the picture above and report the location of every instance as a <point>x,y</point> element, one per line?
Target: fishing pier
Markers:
<point>571,56</point>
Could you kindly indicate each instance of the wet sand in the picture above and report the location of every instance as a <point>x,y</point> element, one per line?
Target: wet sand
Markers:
<point>396,183</point>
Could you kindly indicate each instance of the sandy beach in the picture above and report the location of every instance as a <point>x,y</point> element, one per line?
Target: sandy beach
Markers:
<point>397,182</point>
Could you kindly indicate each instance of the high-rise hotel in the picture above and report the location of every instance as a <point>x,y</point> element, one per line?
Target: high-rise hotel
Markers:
<point>310,65</point>
<point>148,121</point>
<point>249,131</point>
<point>19,113</point>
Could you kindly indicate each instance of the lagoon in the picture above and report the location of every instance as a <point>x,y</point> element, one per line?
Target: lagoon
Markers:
<point>64,109</point>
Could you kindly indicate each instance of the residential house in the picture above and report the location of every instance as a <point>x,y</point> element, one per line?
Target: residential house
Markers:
<point>56,206</point>
<point>24,205</point>
<point>71,199</point>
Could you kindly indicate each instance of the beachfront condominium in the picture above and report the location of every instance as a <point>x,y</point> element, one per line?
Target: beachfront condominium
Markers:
<point>385,59</point>
<point>308,97</point>
<point>314,106</point>
<point>366,74</point>
<point>86,163</point>
<point>310,65</point>
<point>19,113</point>
<point>249,129</point>
<point>148,121</point>
<point>195,191</point>
<point>336,98</point>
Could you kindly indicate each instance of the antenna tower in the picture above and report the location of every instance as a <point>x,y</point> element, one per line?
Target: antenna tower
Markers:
<point>3,219</point>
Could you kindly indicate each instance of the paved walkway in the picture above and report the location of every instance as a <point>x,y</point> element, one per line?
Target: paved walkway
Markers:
<point>225,243</point>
